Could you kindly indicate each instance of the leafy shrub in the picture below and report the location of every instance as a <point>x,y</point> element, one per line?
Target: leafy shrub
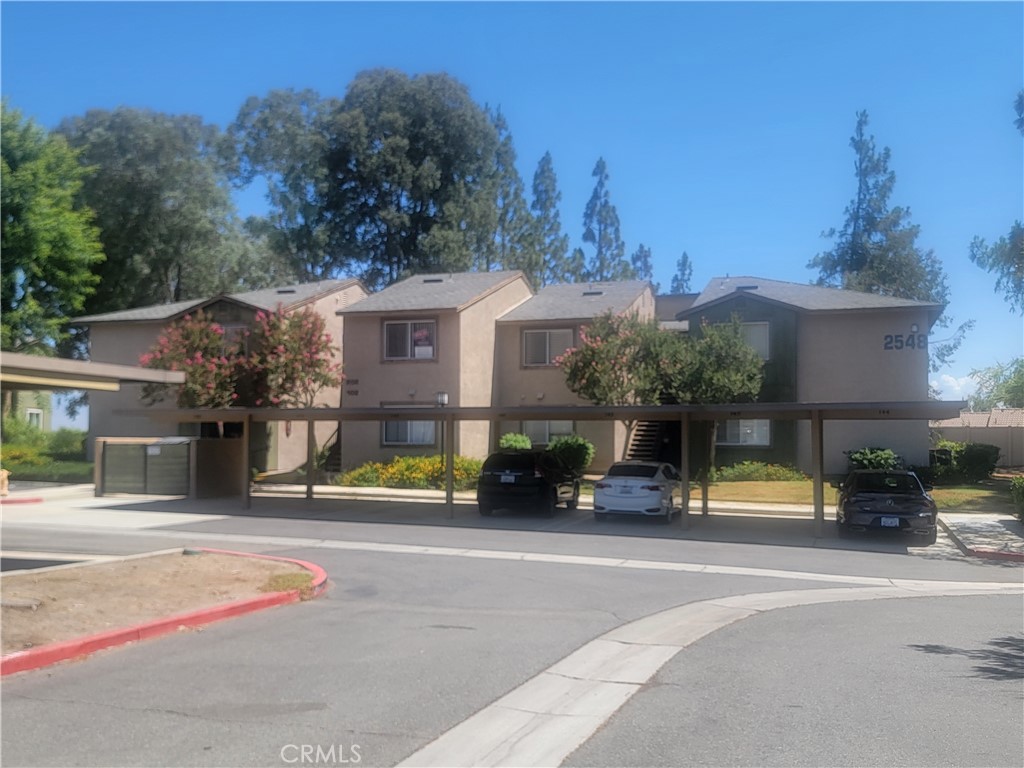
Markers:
<point>758,471</point>
<point>21,433</point>
<point>573,453</point>
<point>23,456</point>
<point>514,440</point>
<point>1017,494</point>
<point>52,471</point>
<point>67,444</point>
<point>874,458</point>
<point>976,461</point>
<point>413,472</point>
<point>969,462</point>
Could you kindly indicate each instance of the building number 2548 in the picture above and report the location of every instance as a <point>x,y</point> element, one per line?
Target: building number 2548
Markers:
<point>910,341</point>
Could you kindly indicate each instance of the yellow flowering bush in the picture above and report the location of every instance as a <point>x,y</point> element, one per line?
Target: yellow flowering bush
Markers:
<point>413,472</point>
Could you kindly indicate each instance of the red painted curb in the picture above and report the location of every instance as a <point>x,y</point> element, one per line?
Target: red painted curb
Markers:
<point>998,554</point>
<point>45,655</point>
<point>21,500</point>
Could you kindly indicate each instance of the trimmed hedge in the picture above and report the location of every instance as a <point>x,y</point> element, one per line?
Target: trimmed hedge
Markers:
<point>874,458</point>
<point>515,441</point>
<point>970,462</point>
<point>573,453</point>
<point>758,471</point>
<point>1017,494</point>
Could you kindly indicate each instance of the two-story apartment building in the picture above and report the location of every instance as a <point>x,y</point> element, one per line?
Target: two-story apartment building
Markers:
<point>823,345</point>
<point>122,337</point>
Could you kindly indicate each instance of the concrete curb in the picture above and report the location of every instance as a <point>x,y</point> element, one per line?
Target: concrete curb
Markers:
<point>44,656</point>
<point>988,554</point>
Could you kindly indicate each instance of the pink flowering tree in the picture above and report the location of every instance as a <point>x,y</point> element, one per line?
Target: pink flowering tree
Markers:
<point>620,360</point>
<point>291,359</point>
<point>210,361</point>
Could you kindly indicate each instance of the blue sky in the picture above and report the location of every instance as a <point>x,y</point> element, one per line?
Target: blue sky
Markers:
<point>725,126</point>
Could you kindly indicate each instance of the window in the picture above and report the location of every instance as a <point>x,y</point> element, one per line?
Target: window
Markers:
<point>756,335</point>
<point>543,432</point>
<point>410,340</point>
<point>408,433</point>
<point>744,432</point>
<point>235,334</point>
<point>34,417</point>
<point>542,347</point>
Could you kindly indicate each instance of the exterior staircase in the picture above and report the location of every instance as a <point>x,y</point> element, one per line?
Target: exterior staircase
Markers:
<point>645,442</point>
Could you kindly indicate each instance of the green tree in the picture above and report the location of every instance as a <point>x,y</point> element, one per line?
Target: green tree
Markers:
<point>1005,257</point>
<point>49,242</point>
<point>684,273</point>
<point>554,245</point>
<point>162,203</point>
<point>875,250</point>
<point>643,265</point>
<point>516,243</point>
<point>622,360</point>
<point>999,386</point>
<point>284,138</point>
<point>409,164</point>
<point>601,229</point>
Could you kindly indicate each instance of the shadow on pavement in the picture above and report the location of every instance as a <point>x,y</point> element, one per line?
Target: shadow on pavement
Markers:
<point>1001,659</point>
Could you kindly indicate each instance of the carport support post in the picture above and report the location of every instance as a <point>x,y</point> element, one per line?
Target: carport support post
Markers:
<point>310,457</point>
<point>684,470</point>
<point>449,464</point>
<point>246,458</point>
<point>818,464</point>
<point>705,480</point>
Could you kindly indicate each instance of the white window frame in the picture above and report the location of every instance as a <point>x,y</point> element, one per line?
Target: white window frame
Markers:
<point>34,417</point>
<point>413,352</point>
<point>550,354</point>
<point>546,431</point>
<point>746,428</point>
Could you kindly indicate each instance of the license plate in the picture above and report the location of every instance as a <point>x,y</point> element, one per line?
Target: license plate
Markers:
<point>890,522</point>
<point>626,489</point>
<point>508,478</point>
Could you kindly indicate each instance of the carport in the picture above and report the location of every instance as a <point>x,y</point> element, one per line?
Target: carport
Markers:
<point>686,415</point>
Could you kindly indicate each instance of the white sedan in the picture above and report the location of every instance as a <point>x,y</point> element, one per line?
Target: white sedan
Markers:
<point>638,488</point>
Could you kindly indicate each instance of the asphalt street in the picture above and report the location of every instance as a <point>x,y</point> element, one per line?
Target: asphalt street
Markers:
<point>426,626</point>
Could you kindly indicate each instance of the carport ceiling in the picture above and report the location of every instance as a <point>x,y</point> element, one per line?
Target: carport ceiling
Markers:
<point>31,372</point>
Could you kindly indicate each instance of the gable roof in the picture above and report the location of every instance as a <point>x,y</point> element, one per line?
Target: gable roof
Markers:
<point>808,298</point>
<point>577,301</point>
<point>455,291</point>
<point>289,296</point>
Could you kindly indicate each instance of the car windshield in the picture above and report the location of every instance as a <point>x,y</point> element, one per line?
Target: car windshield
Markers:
<point>632,470</point>
<point>510,462</point>
<point>880,483</point>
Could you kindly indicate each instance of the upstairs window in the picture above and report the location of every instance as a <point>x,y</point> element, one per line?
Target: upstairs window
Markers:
<point>410,340</point>
<point>542,347</point>
<point>543,432</point>
<point>756,335</point>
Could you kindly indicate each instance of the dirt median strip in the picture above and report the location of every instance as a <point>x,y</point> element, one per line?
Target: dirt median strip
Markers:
<point>68,611</point>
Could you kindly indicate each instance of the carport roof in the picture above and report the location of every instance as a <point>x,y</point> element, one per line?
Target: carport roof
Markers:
<point>32,372</point>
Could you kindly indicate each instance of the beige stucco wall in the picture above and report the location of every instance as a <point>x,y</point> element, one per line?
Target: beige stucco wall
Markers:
<point>842,358</point>
<point>124,343</point>
<point>463,367</point>
<point>1010,440</point>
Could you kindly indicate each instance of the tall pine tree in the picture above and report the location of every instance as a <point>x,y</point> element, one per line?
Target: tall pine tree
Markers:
<point>515,240</point>
<point>684,273</point>
<point>553,244</point>
<point>643,265</point>
<point>875,250</point>
<point>601,229</point>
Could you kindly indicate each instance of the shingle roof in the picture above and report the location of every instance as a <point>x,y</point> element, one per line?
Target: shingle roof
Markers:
<point>812,298</point>
<point>997,417</point>
<point>668,305</point>
<point>432,292</point>
<point>576,301</point>
<point>267,298</point>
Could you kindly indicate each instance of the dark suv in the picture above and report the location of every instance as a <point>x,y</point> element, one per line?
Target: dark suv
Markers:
<point>525,478</point>
<point>885,499</point>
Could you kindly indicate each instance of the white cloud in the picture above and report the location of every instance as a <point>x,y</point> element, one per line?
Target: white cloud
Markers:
<point>953,387</point>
